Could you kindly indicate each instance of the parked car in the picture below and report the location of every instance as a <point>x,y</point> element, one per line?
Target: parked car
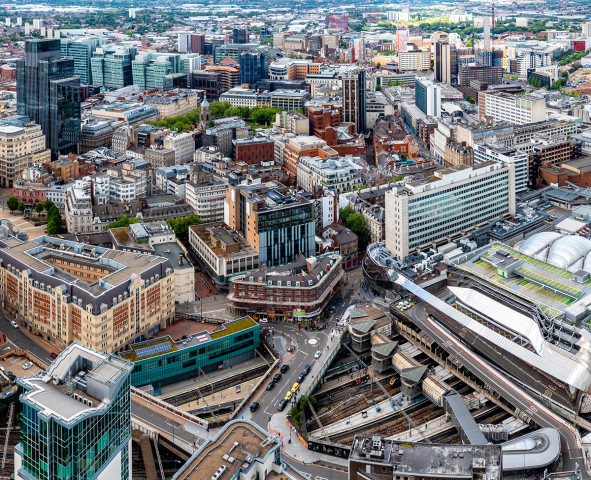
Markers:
<point>27,365</point>
<point>317,354</point>
<point>14,324</point>
<point>254,406</point>
<point>53,355</point>
<point>271,385</point>
<point>281,405</point>
<point>276,378</point>
<point>301,377</point>
<point>296,387</point>
<point>284,368</point>
<point>288,396</point>
<point>263,320</point>
<point>306,370</point>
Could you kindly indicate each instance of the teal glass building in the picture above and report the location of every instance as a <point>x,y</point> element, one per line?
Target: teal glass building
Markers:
<point>75,421</point>
<point>163,361</point>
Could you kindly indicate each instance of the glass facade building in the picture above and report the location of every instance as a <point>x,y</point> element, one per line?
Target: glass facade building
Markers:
<point>49,93</point>
<point>111,66</point>
<point>235,342</point>
<point>150,69</point>
<point>252,67</point>
<point>80,50</point>
<point>76,422</point>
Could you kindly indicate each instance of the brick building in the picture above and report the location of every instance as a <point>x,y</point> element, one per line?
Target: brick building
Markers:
<point>550,152</point>
<point>253,151</point>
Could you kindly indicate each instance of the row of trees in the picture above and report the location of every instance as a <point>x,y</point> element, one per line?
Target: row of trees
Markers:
<point>54,217</point>
<point>258,115</point>
<point>180,123</point>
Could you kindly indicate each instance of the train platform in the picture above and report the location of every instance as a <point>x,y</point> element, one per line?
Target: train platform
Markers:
<point>235,393</point>
<point>374,412</point>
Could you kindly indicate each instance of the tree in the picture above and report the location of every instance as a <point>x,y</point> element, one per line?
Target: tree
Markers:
<point>21,206</point>
<point>180,226</point>
<point>565,74</point>
<point>38,207</point>
<point>123,222</point>
<point>344,213</point>
<point>48,204</point>
<point>54,220</point>
<point>52,227</point>
<point>12,203</point>
<point>356,222</point>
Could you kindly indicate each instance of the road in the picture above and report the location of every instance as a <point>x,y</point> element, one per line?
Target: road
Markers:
<point>18,338</point>
<point>571,447</point>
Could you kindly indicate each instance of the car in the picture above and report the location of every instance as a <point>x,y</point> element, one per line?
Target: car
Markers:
<point>263,320</point>
<point>306,370</point>
<point>301,377</point>
<point>317,354</point>
<point>27,365</point>
<point>296,387</point>
<point>254,406</point>
<point>276,378</point>
<point>288,395</point>
<point>284,368</point>
<point>53,355</point>
<point>281,405</point>
<point>14,324</point>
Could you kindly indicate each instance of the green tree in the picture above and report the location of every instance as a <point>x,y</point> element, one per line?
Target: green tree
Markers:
<point>52,227</point>
<point>123,222</point>
<point>345,213</point>
<point>38,207</point>
<point>565,74</point>
<point>21,206</point>
<point>180,226</point>
<point>356,222</point>
<point>48,204</point>
<point>54,221</point>
<point>12,203</point>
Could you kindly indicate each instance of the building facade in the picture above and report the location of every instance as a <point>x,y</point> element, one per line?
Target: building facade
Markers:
<point>455,199</point>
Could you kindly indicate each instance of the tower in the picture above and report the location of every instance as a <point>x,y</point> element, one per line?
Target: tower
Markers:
<point>204,113</point>
<point>354,97</point>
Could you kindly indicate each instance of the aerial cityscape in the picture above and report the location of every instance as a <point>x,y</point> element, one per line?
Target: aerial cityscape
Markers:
<point>296,240</point>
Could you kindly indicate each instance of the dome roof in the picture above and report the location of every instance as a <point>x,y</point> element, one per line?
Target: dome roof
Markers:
<point>537,242</point>
<point>568,250</point>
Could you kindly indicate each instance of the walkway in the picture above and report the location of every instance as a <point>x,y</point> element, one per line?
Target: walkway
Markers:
<point>235,393</point>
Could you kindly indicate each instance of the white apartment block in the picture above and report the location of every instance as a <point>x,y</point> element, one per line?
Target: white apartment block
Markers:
<point>78,208</point>
<point>423,213</point>
<point>183,145</point>
<point>414,60</point>
<point>484,153</point>
<point>337,175</point>
<point>516,109</point>
<point>207,200</point>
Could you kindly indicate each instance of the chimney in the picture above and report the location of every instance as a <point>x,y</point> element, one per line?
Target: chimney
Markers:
<point>181,259</point>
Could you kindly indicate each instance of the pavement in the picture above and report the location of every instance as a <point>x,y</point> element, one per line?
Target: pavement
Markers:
<point>23,339</point>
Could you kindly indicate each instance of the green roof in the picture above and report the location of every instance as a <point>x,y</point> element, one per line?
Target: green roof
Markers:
<point>132,356</point>
<point>233,327</point>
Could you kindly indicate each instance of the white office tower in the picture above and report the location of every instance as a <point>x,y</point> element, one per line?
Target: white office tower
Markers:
<point>132,13</point>
<point>486,34</point>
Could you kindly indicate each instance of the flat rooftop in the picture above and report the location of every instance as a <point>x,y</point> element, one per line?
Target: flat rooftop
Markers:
<point>237,446</point>
<point>432,459</point>
<point>222,232</point>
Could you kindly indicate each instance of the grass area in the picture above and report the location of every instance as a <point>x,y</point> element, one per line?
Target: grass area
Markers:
<point>132,356</point>
<point>236,326</point>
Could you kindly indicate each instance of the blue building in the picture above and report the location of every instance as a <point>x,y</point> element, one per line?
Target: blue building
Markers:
<point>164,361</point>
<point>76,419</point>
<point>252,67</point>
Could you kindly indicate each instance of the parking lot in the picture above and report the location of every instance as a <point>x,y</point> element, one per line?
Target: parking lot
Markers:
<point>15,365</point>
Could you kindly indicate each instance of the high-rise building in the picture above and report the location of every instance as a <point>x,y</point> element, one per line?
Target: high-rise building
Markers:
<point>587,29</point>
<point>239,35</point>
<point>414,60</point>
<point>277,224</point>
<point>446,62</point>
<point>49,94</point>
<point>486,39</point>
<point>428,97</point>
<point>500,153</point>
<point>450,202</point>
<point>198,44</point>
<point>76,419</point>
<point>111,66</point>
<point>150,69</point>
<point>80,50</point>
<point>359,49</point>
<point>354,97</point>
<point>516,109</point>
<point>252,67</point>
<point>184,42</point>
<point>22,144</point>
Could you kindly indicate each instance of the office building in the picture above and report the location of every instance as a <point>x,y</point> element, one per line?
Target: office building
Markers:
<point>455,199</point>
<point>506,155</point>
<point>289,100</point>
<point>297,291</point>
<point>198,44</point>
<point>516,109</point>
<point>49,93</point>
<point>359,49</point>
<point>111,66</point>
<point>354,97</point>
<point>231,343</point>
<point>337,175</point>
<point>101,291</point>
<point>22,144</point>
<point>173,102</point>
<point>206,199</point>
<point>239,35</point>
<point>294,69</point>
<point>95,134</point>
<point>428,97</point>
<point>446,62</point>
<point>184,42</point>
<point>252,67</point>
<point>278,225</point>
<point>80,50</point>
<point>488,75</point>
<point>253,151</point>
<point>301,146</point>
<point>229,76</point>
<point>209,82</point>
<point>76,419</point>
<point>150,69</point>
<point>414,60</point>
<point>232,50</point>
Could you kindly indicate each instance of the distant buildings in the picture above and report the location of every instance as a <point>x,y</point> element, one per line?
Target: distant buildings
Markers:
<point>111,66</point>
<point>149,70</point>
<point>252,67</point>
<point>81,50</point>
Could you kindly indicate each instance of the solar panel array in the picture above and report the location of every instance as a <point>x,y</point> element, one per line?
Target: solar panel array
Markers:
<point>153,349</point>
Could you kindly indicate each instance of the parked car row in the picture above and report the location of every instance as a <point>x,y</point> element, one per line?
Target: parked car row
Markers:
<point>296,386</point>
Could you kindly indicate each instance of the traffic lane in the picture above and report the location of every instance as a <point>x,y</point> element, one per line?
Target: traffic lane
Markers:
<point>539,413</point>
<point>316,472</point>
<point>21,340</point>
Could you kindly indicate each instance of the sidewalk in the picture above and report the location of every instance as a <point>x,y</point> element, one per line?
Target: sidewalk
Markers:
<point>48,347</point>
